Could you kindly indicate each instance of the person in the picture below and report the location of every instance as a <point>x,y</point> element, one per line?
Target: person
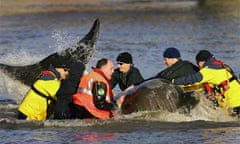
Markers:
<point>40,99</point>
<point>64,106</point>
<point>176,67</point>
<point>94,98</point>
<point>126,74</point>
<point>220,77</point>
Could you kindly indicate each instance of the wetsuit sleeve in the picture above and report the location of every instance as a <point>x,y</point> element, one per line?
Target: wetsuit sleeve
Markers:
<point>114,79</point>
<point>189,79</point>
<point>99,93</point>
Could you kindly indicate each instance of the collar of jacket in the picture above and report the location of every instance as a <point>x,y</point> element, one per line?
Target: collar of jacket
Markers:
<point>210,63</point>
<point>52,69</point>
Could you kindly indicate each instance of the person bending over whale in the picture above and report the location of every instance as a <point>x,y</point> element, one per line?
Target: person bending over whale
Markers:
<point>64,106</point>
<point>220,77</point>
<point>94,97</point>
<point>176,67</point>
<point>40,99</point>
<point>126,74</point>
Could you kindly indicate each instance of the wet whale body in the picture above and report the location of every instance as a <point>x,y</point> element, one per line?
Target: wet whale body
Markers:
<point>82,51</point>
<point>157,95</point>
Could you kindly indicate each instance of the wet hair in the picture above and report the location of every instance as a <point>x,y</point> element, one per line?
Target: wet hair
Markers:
<point>101,62</point>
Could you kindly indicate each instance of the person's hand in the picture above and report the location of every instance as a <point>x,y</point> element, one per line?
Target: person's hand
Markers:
<point>130,87</point>
<point>119,101</point>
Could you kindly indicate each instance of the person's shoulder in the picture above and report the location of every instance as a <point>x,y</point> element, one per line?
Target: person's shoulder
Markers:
<point>133,69</point>
<point>190,65</point>
<point>47,77</point>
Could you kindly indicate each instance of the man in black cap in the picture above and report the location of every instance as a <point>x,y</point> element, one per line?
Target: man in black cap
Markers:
<point>176,67</point>
<point>220,77</point>
<point>126,74</point>
<point>64,108</point>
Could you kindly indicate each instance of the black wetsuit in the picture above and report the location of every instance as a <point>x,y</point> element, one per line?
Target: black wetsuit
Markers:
<point>179,69</point>
<point>133,76</point>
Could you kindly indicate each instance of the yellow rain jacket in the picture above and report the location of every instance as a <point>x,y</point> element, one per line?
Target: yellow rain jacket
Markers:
<point>215,74</point>
<point>34,106</point>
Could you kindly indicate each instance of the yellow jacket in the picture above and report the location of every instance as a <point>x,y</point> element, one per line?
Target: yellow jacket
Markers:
<point>215,74</point>
<point>34,106</point>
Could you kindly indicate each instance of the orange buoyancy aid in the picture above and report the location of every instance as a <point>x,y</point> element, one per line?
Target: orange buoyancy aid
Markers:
<point>84,96</point>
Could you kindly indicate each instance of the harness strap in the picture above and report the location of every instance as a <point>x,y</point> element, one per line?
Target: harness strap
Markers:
<point>230,80</point>
<point>42,95</point>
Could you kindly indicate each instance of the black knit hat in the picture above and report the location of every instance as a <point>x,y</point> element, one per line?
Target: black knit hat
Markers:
<point>203,55</point>
<point>125,57</point>
<point>171,53</point>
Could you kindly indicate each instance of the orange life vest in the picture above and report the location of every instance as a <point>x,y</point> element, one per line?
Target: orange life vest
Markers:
<point>84,96</point>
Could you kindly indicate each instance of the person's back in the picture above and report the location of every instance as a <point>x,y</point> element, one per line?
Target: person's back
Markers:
<point>179,69</point>
<point>94,96</point>
<point>176,67</point>
<point>219,76</point>
<point>126,74</point>
<point>40,99</point>
<point>69,86</point>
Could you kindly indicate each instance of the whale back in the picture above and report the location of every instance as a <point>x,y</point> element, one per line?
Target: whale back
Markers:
<point>155,95</point>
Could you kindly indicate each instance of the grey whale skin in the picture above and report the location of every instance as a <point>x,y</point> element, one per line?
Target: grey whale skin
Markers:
<point>157,95</point>
<point>82,51</point>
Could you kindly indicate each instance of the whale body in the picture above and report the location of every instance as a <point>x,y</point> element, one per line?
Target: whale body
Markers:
<point>82,51</point>
<point>157,95</point>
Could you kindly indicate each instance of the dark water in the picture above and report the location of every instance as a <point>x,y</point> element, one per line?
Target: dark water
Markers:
<point>26,38</point>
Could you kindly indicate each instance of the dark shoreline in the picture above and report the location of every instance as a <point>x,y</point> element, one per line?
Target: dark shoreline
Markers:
<point>31,6</point>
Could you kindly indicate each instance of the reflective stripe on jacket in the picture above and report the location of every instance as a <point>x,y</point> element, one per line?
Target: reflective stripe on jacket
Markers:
<point>84,95</point>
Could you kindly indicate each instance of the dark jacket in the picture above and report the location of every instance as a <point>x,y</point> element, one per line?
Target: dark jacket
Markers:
<point>179,69</point>
<point>133,76</point>
<point>64,106</point>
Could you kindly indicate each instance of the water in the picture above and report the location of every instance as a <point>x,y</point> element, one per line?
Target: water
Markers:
<point>145,32</point>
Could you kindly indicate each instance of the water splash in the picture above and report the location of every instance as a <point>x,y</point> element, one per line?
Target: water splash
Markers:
<point>61,41</point>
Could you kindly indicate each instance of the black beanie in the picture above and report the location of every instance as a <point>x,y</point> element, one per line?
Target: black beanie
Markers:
<point>171,53</point>
<point>203,55</point>
<point>125,57</point>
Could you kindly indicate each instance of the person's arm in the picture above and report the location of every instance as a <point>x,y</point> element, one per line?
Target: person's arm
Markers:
<point>189,79</point>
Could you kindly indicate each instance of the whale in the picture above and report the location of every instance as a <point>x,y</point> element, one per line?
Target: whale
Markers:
<point>81,51</point>
<point>157,95</point>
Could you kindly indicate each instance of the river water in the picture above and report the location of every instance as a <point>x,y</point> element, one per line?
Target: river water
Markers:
<point>144,29</point>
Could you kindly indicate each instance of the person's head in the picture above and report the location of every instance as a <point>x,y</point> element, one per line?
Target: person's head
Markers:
<point>62,69</point>
<point>202,57</point>
<point>124,61</point>
<point>106,66</point>
<point>171,56</point>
